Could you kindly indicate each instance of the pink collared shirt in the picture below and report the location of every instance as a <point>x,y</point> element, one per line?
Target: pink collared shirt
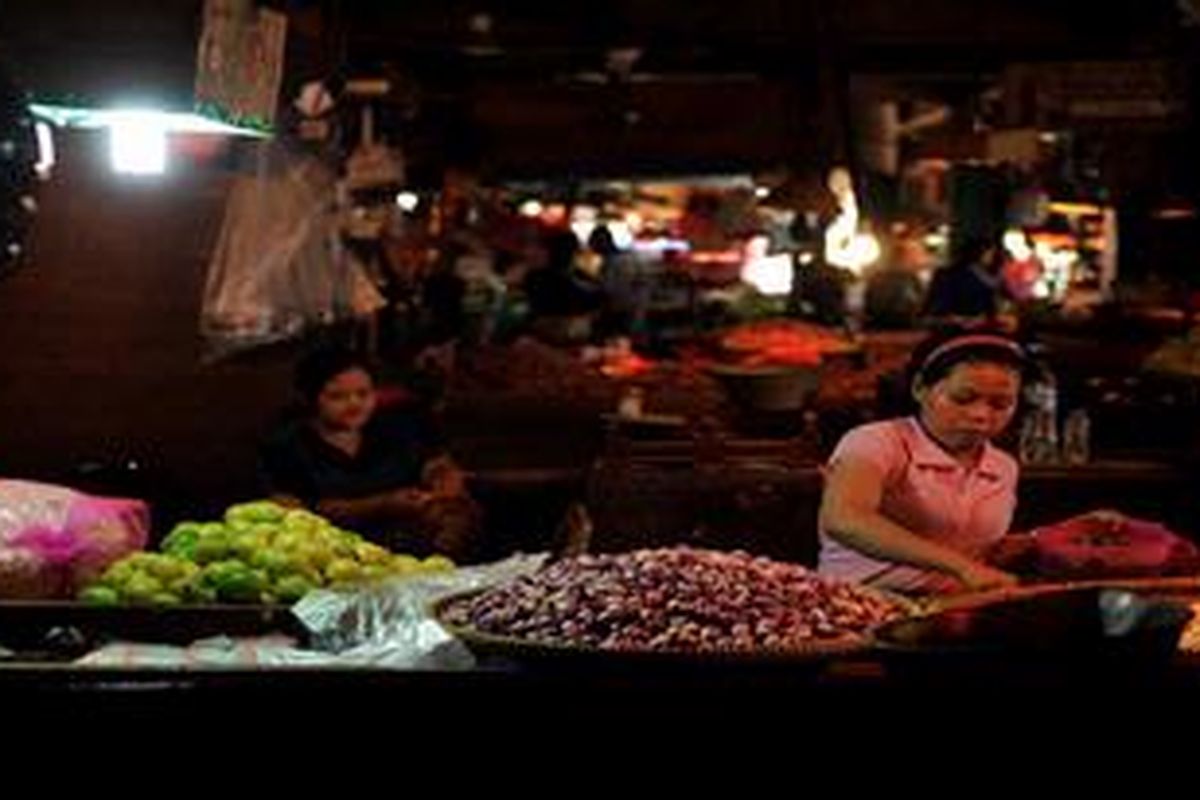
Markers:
<point>929,493</point>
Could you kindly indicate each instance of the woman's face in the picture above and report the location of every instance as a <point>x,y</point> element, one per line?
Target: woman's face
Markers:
<point>347,400</point>
<point>971,405</point>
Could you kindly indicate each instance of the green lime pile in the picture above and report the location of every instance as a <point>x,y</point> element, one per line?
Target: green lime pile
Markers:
<point>261,553</point>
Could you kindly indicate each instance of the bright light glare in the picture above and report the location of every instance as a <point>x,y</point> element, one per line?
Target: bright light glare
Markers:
<point>864,250</point>
<point>46,155</point>
<point>1057,260</point>
<point>844,245</point>
<point>408,201</point>
<point>621,234</point>
<point>661,244</point>
<point>757,248</point>
<point>138,141</point>
<point>583,230</point>
<point>770,275</point>
<point>762,192</point>
<point>583,222</point>
<point>531,208</point>
<point>1017,245</point>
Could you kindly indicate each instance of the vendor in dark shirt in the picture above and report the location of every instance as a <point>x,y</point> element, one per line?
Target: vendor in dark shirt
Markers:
<point>382,473</point>
<point>970,287</point>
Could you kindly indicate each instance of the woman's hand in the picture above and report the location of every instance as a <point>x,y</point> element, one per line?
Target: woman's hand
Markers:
<point>444,478</point>
<point>980,577</point>
<point>408,501</point>
<point>1011,550</point>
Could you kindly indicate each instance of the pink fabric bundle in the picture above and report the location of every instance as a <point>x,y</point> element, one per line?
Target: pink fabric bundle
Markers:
<point>54,540</point>
<point>1086,547</point>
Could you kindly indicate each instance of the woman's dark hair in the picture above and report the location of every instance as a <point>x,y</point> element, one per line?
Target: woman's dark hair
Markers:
<point>935,357</point>
<point>601,241</point>
<point>317,367</point>
<point>561,249</point>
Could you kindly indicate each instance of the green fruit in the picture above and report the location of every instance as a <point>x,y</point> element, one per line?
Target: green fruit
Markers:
<point>100,596</point>
<point>239,525</point>
<point>342,549</point>
<point>186,528</point>
<point>292,588</point>
<point>437,564</point>
<point>374,572</point>
<point>142,561</point>
<point>246,545</point>
<point>404,564</point>
<point>369,553</point>
<point>260,511</point>
<point>312,575</point>
<point>214,573</point>
<point>344,570</point>
<point>141,589</point>
<point>165,599</point>
<point>184,549</point>
<point>119,574</point>
<point>212,549</point>
<point>302,521</point>
<point>180,584</point>
<point>182,539</point>
<point>266,531</point>
<point>316,556</point>
<point>237,583</point>
<point>167,568</point>
<point>196,592</point>
<point>349,537</point>
<point>289,541</point>
<point>276,563</point>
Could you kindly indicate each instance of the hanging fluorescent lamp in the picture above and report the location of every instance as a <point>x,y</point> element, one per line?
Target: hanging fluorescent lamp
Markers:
<point>137,136</point>
<point>169,121</point>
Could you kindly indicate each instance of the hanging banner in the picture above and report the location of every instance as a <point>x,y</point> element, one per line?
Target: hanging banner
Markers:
<point>239,67</point>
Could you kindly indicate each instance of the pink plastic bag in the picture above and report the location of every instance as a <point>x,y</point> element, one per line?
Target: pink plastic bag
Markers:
<point>54,540</point>
<point>1085,547</point>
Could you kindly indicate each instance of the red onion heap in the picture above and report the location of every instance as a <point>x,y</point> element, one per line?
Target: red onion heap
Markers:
<point>677,599</point>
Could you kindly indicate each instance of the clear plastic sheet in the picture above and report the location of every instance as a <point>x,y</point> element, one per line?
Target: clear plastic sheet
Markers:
<point>397,612</point>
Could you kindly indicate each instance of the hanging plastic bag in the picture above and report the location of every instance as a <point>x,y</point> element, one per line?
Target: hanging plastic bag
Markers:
<point>275,267</point>
<point>54,540</point>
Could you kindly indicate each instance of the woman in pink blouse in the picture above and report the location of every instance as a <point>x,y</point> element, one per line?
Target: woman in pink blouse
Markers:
<point>916,503</point>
